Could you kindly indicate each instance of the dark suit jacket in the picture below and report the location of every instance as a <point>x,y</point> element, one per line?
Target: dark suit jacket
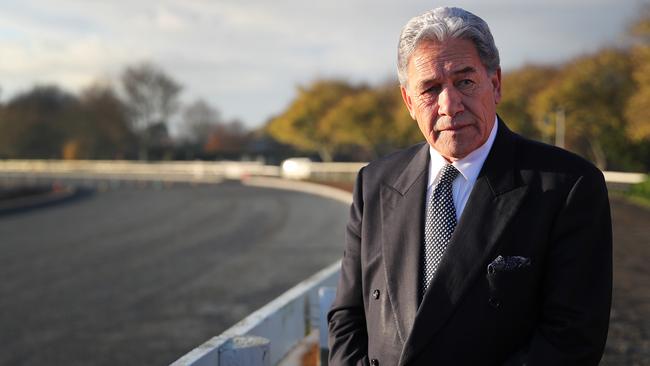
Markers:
<point>530,200</point>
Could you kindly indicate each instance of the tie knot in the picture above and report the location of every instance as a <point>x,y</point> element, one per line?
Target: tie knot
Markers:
<point>449,173</point>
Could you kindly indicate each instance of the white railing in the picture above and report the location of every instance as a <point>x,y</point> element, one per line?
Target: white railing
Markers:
<point>624,177</point>
<point>303,168</point>
<point>204,171</point>
<point>266,336</point>
<point>196,171</point>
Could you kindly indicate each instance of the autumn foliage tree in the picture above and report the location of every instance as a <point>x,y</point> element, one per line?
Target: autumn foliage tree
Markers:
<point>226,138</point>
<point>638,107</point>
<point>330,116</point>
<point>205,133</point>
<point>300,125</point>
<point>517,87</point>
<point>374,119</point>
<point>592,92</point>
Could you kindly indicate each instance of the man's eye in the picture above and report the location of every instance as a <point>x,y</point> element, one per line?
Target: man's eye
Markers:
<point>465,83</point>
<point>431,90</point>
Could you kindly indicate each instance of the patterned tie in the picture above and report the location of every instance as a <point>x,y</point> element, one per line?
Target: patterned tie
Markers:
<point>439,225</point>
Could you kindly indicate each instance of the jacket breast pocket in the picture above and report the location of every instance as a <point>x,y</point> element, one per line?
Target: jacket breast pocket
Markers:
<point>509,274</point>
<point>509,282</point>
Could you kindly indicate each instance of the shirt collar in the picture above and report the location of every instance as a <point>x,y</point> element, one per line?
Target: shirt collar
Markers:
<point>470,165</point>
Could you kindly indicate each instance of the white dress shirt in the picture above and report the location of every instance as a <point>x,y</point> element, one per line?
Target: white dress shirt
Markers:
<point>469,167</point>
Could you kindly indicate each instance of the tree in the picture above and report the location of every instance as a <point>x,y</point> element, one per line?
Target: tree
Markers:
<point>592,92</point>
<point>103,130</point>
<point>226,138</point>
<point>300,124</point>
<point>152,98</point>
<point>405,130</point>
<point>517,90</point>
<point>357,119</point>
<point>374,119</point>
<point>638,107</point>
<point>34,124</point>
<point>199,119</point>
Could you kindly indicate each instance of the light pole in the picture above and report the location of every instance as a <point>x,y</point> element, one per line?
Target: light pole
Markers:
<point>559,127</point>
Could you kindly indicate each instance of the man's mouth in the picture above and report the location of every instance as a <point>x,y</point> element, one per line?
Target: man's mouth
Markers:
<point>452,128</point>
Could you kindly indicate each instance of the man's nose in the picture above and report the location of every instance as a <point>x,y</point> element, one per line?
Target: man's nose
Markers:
<point>450,102</point>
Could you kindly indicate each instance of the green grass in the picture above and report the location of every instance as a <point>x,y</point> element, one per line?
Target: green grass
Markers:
<point>640,192</point>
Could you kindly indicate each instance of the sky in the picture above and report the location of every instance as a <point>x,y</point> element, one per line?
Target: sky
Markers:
<point>247,57</point>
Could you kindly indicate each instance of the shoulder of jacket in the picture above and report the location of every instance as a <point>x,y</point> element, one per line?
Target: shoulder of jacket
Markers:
<point>553,160</point>
<point>394,159</point>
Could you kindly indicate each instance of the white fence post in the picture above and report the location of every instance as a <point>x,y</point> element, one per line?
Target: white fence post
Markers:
<point>245,351</point>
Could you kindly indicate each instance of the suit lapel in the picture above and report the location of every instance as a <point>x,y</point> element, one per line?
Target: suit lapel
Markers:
<point>402,207</point>
<point>493,201</point>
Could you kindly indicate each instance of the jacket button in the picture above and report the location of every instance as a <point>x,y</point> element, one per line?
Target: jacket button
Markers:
<point>374,362</point>
<point>375,294</point>
<point>494,302</point>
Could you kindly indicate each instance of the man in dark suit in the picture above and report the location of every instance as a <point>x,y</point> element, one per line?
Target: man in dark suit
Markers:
<point>478,247</point>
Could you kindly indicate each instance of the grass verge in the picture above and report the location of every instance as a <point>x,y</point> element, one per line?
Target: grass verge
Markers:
<point>640,193</point>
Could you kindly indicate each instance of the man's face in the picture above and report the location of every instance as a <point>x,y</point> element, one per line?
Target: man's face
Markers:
<point>451,96</point>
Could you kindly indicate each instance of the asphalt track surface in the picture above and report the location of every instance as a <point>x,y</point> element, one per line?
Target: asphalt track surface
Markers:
<point>140,276</point>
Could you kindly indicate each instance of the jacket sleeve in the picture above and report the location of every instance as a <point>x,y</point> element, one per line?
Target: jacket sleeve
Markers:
<point>348,338</point>
<point>577,287</point>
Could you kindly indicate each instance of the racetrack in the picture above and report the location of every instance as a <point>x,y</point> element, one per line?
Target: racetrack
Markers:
<point>135,276</point>
<point>139,276</point>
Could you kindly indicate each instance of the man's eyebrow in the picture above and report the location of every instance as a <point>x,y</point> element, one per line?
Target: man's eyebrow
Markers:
<point>465,70</point>
<point>424,83</point>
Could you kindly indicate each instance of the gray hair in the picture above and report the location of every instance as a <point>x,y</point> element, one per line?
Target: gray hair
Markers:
<point>441,24</point>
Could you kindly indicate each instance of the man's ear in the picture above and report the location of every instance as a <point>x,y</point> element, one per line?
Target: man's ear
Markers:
<point>407,100</point>
<point>496,85</point>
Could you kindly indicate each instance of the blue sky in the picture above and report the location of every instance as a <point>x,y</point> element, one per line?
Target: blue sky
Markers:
<point>246,57</point>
